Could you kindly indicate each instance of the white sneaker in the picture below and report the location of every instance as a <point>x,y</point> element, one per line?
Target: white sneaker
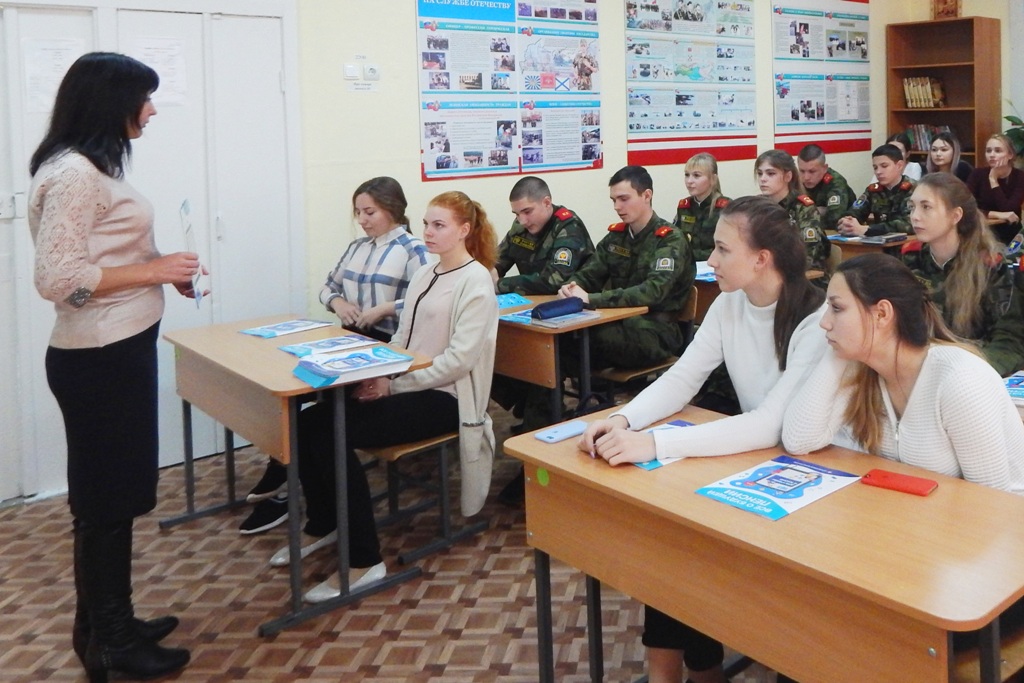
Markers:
<point>282,556</point>
<point>328,591</point>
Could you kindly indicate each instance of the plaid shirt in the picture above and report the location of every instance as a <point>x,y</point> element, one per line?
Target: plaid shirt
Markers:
<point>375,271</point>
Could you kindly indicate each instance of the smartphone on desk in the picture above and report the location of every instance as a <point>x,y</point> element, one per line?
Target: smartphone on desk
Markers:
<point>561,432</point>
<point>905,483</point>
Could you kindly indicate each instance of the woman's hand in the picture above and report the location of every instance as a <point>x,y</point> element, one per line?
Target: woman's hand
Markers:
<point>185,288</point>
<point>368,318</point>
<point>347,313</point>
<point>598,429</point>
<point>173,268</point>
<point>998,170</point>
<point>372,389</point>
<point>620,446</point>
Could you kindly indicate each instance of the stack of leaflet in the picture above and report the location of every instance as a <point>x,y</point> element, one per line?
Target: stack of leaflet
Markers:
<point>883,239</point>
<point>321,370</point>
<point>1015,385</point>
<point>330,345</point>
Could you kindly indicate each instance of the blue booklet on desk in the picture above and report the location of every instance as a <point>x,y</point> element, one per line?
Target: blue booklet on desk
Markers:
<point>777,487</point>
<point>655,464</point>
<point>521,317</point>
<point>322,370</point>
<point>287,327</point>
<point>330,345</point>
<point>512,299</point>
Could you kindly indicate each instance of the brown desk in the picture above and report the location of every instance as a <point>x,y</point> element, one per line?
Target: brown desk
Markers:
<point>246,384</point>
<point>530,352</point>
<point>851,249</point>
<point>864,582</point>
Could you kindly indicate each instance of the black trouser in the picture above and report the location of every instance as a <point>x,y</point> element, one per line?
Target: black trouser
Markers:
<point>700,652</point>
<point>389,421</point>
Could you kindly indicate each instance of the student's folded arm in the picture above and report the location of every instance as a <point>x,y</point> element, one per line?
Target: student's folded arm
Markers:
<point>674,389</point>
<point>814,414</point>
<point>475,327</point>
<point>972,410</point>
<point>658,281</point>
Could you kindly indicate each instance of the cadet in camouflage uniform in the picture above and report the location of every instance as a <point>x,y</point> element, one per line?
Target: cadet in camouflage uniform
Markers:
<point>826,186</point>
<point>999,324</point>
<point>778,179</point>
<point>652,267</point>
<point>885,205</point>
<point>547,243</point>
<point>697,215</point>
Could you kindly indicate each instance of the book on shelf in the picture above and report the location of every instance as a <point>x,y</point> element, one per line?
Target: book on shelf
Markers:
<point>921,135</point>
<point>324,369</point>
<point>924,92</point>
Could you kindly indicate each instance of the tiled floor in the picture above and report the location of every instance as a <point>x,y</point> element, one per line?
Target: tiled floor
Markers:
<point>469,618</point>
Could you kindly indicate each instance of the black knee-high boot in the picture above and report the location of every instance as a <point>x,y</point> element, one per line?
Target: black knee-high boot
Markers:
<point>114,641</point>
<point>153,629</point>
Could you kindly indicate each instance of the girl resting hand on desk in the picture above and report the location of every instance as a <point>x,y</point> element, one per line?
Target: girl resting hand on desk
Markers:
<point>964,271</point>
<point>764,327</point>
<point>451,316</point>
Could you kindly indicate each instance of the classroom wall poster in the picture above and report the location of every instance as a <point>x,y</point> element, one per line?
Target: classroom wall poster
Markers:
<point>690,80</point>
<point>508,87</point>
<point>820,62</point>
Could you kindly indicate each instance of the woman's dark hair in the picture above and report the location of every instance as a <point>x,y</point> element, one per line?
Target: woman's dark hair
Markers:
<point>102,94</point>
<point>872,278</point>
<point>386,193</point>
<point>949,139</point>
<point>781,160</point>
<point>766,225</point>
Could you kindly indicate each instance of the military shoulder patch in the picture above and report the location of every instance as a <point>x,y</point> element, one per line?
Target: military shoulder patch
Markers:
<point>875,187</point>
<point>861,201</point>
<point>833,200</point>
<point>722,202</point>
<point>827,178</point>
<point>564,214</point>
<point>805,200</point>
<point>562,257</point>
<point>617,227</point>
<point>810,235</point>
<point>684,203</point>
<point>663,230</point>
<point>665,263</point>
<point>907,185</point>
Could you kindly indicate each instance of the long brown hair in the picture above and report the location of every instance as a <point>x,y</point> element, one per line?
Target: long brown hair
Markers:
<point>872,278</point>
<point>482,241</point>
<point>766,225</point>
<point>954,160</point>
<point>968,280</point>
<point>783,161</point>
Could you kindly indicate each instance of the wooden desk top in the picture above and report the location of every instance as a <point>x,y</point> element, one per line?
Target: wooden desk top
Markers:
<point>954,559</point>
<point>607,315</point>
<point>257,359</point>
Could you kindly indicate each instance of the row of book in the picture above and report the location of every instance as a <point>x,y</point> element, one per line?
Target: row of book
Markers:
<point>921,135</point>
<point>924,92</point>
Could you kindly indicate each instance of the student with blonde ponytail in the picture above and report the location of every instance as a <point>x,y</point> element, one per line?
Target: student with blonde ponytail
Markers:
<point>451,316</point>
<point>963,269</point>
<point>897,383</point>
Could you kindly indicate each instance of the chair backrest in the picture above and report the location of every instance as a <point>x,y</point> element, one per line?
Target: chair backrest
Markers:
<point>835,257</point>
<point>689,311</point>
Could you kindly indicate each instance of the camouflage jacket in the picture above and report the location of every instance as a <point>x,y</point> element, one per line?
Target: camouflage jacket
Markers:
<point>889,209</point>
<point>547,260</point>
<point>697,221</point>
<point>653,269</point>
<point>805,215</point>
<point>834,195</point>
<point>1000,329</point>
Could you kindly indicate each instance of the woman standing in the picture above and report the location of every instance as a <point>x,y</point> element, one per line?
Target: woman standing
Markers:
<point>366,290</point>
<point>944,157</point>
<point>451,316</point>
<point>764,327</point>
<point>963,269</point>
<point>999,188</point>
<point>697,215</point>
<point>97,261</point>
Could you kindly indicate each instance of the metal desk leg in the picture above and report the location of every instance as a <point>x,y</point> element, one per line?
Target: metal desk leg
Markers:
<point>594,636</point>
<point>545,639</point>
<point>556,393</point>
<point>584,365</point>
<point>190,475</point>
<point>341,487</point>
<point>988,653</point>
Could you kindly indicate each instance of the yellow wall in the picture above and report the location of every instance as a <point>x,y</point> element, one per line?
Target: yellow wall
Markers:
<point>350,136</point>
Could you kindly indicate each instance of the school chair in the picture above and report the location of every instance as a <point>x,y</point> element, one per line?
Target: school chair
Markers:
<point>625,376</point>
<point>398,481</point>
<point>835,257</point>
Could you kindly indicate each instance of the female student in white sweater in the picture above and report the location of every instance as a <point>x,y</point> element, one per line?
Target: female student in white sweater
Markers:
<point>764,327</point>
<point>896,383</point>
<point>451,316</point>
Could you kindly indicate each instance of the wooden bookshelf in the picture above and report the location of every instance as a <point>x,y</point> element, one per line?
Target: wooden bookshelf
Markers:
<point>965,53</point>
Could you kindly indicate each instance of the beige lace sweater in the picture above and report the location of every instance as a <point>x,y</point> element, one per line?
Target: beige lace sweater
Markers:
<point>83,221</point>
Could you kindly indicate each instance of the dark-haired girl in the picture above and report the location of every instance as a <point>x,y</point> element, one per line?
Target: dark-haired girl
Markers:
<point>96,259</point>
<point>764,328</point>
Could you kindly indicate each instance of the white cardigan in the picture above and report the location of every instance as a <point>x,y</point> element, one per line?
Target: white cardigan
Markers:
<point>958,421</point>
<point>468,361</point>
<point>742,335</point>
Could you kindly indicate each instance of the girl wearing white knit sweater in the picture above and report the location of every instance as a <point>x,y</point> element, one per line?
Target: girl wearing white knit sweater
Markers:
<point>897,384</point>
<point>764,327</point>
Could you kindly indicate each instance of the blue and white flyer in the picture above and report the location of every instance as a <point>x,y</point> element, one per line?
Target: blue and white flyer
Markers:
<point>777,487</point>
